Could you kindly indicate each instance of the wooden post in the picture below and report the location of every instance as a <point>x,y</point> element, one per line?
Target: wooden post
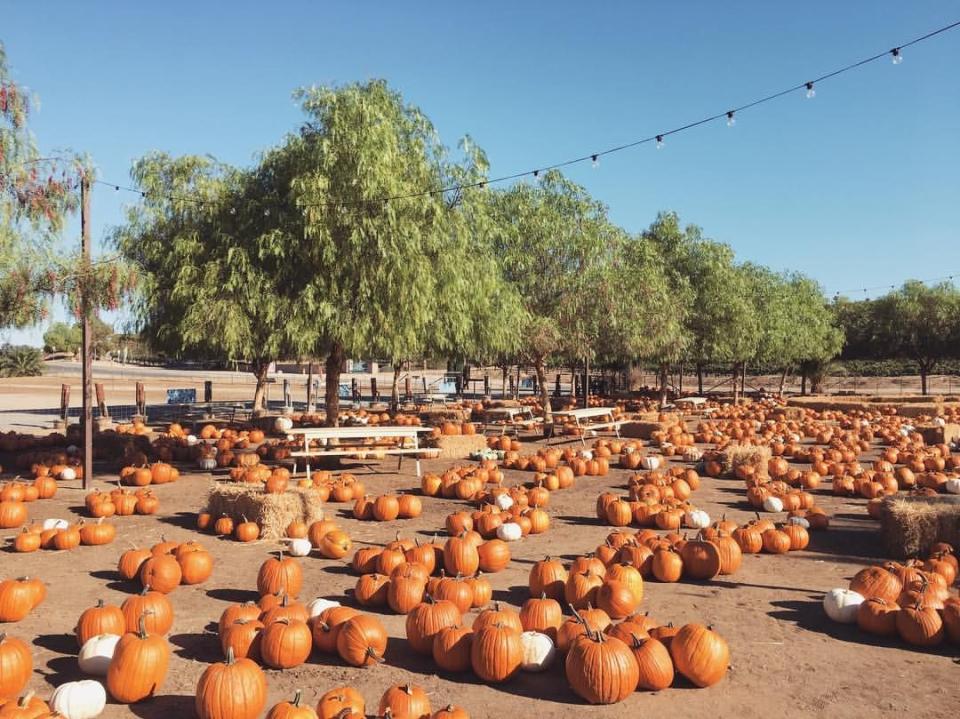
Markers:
<point>310,388</point>
<point>354,389</point>
<point>101,399</point>
<point>374,392</point>
<point>208,391</point>
<point>141,399</point>
<point>486,384</point>
<point>65,405</point>
<point>407,393</point>
<point>87,332</point>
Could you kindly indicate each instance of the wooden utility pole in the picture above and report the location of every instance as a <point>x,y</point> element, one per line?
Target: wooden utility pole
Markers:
<point>86,358</point>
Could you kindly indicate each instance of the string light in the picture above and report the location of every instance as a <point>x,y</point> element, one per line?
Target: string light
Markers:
<point>731,119</point>
<point>594,161</point>
<point>809,86</point>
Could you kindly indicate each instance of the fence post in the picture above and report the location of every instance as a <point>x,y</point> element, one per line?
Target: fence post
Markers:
<point>65,403</point>
<point>407,393</point>
<point>141,399</point>
<point>208,391</point>
<point>486,385</point>
<point>374,392</point>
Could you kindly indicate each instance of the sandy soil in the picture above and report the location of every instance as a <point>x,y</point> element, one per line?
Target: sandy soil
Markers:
<point>787,658</point>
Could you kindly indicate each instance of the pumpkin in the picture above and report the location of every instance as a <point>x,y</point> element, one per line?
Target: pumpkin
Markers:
<point>616,599</point>
<point>152,607</point>
<point>242,637</point>
<point>100,619</point>
<point>406,591</point>
<point>700,654</point>
<point>335,702</point>
<point>326,627</point>
<point>315,607</point>
<point>371,590</point>
<point>18,597</point>
<point>701,559</point>
<point>335,544</point>
<point>84,699</point>
<point>539,651</point>
<point>497,615</point>
<point>776,542</point>
<point>26,541</point>
<point>548,577</point>
<point>16,665</point>
<point>26,707</point>
<point>362,641</point>
<point>451,711</point>
<point>877,582</point>
<point>731,557</point>
<point>426,620</point>
<point>292,709</point>
<point>405,701</point>
<point>285,643</point>
<point>233,689</point>
<point>878,616</point>
<point>667,565</point>
<point>460,556</point>
<point>543,615</point>
<point>601,670</point>
<point>653,661</point>
<point>496,653</point>
<point>246,531</point>
<point>96,654</point>
<point>161,573</point>
<point>139,665</point>
<point>920,625</point>
<point>452,648</point>
<point>280,574</point>
<point>12,514</point>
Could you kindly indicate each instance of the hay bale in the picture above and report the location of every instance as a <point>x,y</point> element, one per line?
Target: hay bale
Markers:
<point>736,455</point>
<point>910,525</point>
<point>937,434</point>
<point>459,446</point>
<point>918,409</point>
<point>642,430</point>
<point>436,416</point>
<point>273,512</point>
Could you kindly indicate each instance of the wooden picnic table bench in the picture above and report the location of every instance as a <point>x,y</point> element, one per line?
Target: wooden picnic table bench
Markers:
<point>511,417</point>
<point>585,417</point>
<point>359,434</point>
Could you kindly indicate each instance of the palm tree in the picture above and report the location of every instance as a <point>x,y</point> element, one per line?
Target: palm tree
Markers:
<point>20,361</point>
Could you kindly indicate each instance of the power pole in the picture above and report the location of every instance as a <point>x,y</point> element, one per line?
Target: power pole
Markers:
<point>86,358</point>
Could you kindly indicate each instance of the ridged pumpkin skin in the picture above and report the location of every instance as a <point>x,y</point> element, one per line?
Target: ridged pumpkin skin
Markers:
<point>548,576</point>
<point>878,616</point>
<point>877,582</point>
<point>101,619</point>
<point>654,663</point>
<point>428,618</point>
<point>452,648</point>
<point>339,700</point>
<point>361,641</point>
<point>407,701</point>
<point>920,626</point>
<point>286,643</point>
<point>280,574</point>
<point>542,615</point>
<point>235,689</point>
<point>292,710</point>
<point>16,666</point>
<point>601,670</point>
<point>496,653</point>
<point>700,654</point>
<point>138,667</point>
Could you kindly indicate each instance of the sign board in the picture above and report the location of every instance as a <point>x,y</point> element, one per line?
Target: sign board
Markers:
<point>182,396</point>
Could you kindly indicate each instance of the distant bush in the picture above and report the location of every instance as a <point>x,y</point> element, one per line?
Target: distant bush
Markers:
<point>20,361</point>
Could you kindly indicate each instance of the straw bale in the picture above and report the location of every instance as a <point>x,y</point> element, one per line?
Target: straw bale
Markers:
<point>459,446</point>
<point>736,455</point>
<point>910,525</point>
<point>273,512</point>
<point>937,434</point>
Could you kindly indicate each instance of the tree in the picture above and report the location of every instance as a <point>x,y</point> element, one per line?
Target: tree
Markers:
<point>36,193</point>
<point>551,240</point>
<point>20,361</point>
<point>216,251</point>
<point>62,337</point>
<point>920,323</point>
<point>393,270</point>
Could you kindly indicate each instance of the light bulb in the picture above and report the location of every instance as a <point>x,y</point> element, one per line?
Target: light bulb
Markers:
<point>233,210</point>
<point>595,161</point>
<point>659,142</point>
<point>731,120</point>
<point>897,57</point>
<point>811,93</point>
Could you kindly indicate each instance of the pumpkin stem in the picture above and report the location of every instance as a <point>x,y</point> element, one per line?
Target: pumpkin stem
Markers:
<point>230,659</point>
<point>100,604</point>
<point>142,623</point>
<point>296,697</point>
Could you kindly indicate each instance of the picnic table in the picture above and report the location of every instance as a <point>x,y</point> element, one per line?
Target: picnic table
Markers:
<point>591,418</point>
<point>509,417</point>
<point>359,434</point>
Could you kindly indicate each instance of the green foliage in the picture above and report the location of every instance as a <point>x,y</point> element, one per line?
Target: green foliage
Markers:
<point>20,361</point>
<point>61,337</point>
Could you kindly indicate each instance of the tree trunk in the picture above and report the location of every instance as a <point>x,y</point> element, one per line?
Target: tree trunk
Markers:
<point>541,370</point>
<point>334,366</point>
<point>395,390</point>
<point>736,383</point>
<point>516,385</point>
<point>310,399</point>
<point>743,378</point>
<point>260,368</point>
<point>664,369</point>
<point>700,378</point>
<point>924,371</point>
<point>503,384</point>
<point>783,381</point>
<point>803,383</point>
<point>816,383</point>
<point>680,380</point>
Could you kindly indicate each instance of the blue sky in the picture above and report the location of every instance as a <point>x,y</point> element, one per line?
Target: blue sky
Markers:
<point>857,187</point>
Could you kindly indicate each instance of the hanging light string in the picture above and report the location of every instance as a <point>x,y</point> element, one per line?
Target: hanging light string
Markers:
<point>945,278</point>
<point>895,53</point>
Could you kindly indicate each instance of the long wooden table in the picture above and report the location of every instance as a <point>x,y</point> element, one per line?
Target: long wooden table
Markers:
<point>591,413</point>
<point>509,416</point>
<point>360,433</point>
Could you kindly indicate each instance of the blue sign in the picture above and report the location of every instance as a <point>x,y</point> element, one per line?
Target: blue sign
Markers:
<point>181,396</point>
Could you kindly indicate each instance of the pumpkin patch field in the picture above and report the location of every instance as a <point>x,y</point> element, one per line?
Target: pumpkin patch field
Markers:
<point>730,565</point>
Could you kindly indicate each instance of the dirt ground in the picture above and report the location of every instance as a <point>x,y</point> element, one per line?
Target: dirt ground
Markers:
<point>787,658</point>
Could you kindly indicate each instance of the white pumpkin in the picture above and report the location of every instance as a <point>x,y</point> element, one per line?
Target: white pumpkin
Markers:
<point>53,523</point>
<point>952,485</point>
<point>799,521</point>
<point>68,474</point>
<point>207,463</point>
<point>692,454</point>
<point>841,605</point>
<point>696,519</point>
<point>503,502</point>
<point>96,654</point>
<point>298,547</point>
<point>316,607</point>
<point>586,454</point>
<point>192,440</point>
<point>282,424</point>
<point>628,449</point>
<point>509,532</point>
<point>538,651</point>
<point>773,504</point>
<point>651,462</point>
<point>84,699</point>
<point>939,421</point>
